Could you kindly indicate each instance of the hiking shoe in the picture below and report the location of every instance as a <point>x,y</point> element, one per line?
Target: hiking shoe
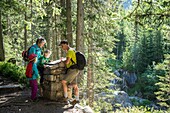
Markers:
<point>66,101</point>
<point>74,102</point>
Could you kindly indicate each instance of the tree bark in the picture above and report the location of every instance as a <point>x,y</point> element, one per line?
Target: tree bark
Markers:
<point>2,50</point>
<point>63,7</point>
<point>90,82</point>
<point>25,28</point>
<point>90,73</point>
<point>79,33</point>
<point>31,22</point>
<point>48,30</point>
<point>62,24</point>
<point>79,29</point>
<point>69,23</point>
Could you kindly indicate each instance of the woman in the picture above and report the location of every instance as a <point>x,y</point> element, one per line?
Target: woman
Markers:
<point>37,48</point>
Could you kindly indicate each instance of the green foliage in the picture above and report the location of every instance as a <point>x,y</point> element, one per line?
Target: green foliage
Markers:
<point>137,102</point>
<point>136,43</point>
<point>163,94</point>
<point>16,73</point>
<point>128,63</point>
<point>139,55</point>
<point>113,64</point>
<point>102,106</point>
<point>147,81</point>
<point>141,109</point>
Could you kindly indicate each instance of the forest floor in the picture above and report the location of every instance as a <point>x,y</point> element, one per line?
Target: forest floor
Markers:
<point>18,101</point>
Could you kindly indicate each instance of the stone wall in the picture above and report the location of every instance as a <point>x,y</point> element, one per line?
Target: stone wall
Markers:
<point>53,74</point>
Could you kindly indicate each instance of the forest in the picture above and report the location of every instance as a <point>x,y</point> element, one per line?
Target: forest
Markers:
<point>126,44</point>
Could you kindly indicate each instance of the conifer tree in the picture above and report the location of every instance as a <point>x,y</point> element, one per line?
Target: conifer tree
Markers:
<point>163,95</point>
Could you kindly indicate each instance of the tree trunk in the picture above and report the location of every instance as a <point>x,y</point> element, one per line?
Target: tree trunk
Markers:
<point>62,22</point>
<point>90,73</point>
<point>135,44</point>
<point>25,28</point>
<point>55,48</point>
<point>31,22</point>
<point>90,82</point>
<point>48,31</point>
<point>79,29</point>
<point>2,50</point>
<point>63,12</point>
<point>79,33</point>
<point>54,55</point>
<point>69,23</point>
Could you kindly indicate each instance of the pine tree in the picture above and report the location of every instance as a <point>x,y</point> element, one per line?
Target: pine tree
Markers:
<point>163,95</point>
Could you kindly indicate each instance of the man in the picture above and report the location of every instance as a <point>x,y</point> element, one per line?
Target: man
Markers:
<point>71,75</point>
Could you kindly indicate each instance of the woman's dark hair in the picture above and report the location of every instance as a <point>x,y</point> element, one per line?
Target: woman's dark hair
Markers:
<point>40,40</point>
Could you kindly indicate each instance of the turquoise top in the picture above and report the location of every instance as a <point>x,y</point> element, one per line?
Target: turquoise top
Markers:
<point>36,50</point>
<point>35,72</point>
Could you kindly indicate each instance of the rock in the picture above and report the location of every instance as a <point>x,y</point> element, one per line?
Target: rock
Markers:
<point>122,98</point>
<point>87,109</point>
<point>50,77</point>
<point>130,78</point>
<point>49,71</point>
<point>116,72</point>
<point>53,74</point>
<point>51,67</point>
<point>61,64</point>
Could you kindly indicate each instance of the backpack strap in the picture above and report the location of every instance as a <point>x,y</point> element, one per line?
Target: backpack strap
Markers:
<point>72,59</point>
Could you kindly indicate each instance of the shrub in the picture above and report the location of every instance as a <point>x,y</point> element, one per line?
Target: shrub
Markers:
<point>163,94</point>
<point>138,110</point>
<point>16,73</point>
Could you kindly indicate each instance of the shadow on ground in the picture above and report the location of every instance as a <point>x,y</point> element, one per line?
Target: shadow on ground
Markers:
<point>19,102</point>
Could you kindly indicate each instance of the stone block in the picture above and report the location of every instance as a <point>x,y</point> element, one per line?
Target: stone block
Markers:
<point>61,64</point>
<point>52,66</point>
<point>53,86</point>
<point>50,77</point>
<point>49,94</point>
<point>48,71</point>
<point>60,77</point>
<point>59,94</point>
<point>59,86</point>
<point>57,78</point>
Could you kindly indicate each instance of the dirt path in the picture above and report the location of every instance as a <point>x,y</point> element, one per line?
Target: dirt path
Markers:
<point>19,102</point>
<point>15,99</point>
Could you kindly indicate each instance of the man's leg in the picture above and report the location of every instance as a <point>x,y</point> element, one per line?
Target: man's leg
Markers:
<point>64,83</point>
<point>76,91</point>
<point>68,78</point>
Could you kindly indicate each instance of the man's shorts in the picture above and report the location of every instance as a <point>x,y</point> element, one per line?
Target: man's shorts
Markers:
<point>71,76</point>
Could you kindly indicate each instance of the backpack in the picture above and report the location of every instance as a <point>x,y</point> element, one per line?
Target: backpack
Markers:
<point>29,71</point>
<point>25,54</point>
<point>81,61</point>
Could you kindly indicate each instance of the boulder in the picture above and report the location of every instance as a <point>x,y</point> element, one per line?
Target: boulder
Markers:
<point>130,78</point>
